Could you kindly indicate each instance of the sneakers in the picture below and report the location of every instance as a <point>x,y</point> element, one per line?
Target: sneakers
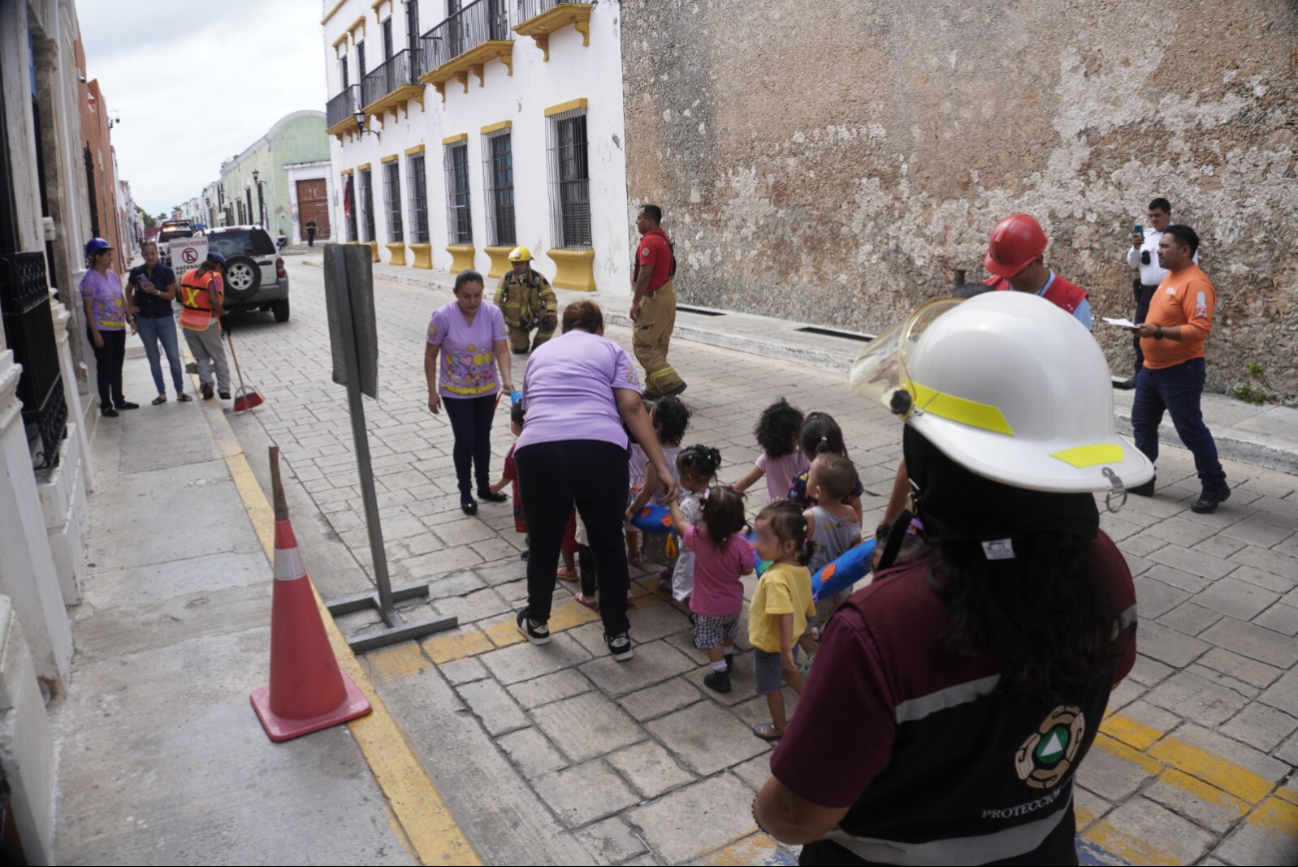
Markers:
<point>718,681</point>
<point>1207,503</point>
<point>620,646</point>
<point>537,633</point>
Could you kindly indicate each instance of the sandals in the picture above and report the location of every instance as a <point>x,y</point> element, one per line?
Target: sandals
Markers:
<point>589,601</point>
<point>566,574</point>
<point>160,400</point>
<point>767,732</point>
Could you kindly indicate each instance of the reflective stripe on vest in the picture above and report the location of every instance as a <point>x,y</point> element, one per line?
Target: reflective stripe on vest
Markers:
<point>196,300</point>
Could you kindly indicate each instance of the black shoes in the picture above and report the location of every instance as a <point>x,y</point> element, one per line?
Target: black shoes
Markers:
<point>619,645</point>
<point>675,392</point>
<point>1145,490</point>
<point>1207,503</point>
<point>206,389</point>
<point>468,505</point>
<point>108,413</point>
<point>718,681</point>
<point>225,395</point>
<point>537,633</point>
<point>126,404</point>
<point>491,496</point>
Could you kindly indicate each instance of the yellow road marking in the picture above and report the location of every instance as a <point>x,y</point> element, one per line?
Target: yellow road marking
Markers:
<point>1212,769</point>
<point>422,819</point>
<point>753,849</point>
<point>1128,754</point>
<point>396,662</point>
<point>1276,815</point>
<point>450,646</point>
<point>1203,791</point>
<point>1287,794</point>
<point>1130,732</point>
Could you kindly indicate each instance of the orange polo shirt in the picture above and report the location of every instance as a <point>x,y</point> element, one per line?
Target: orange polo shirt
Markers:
<point>1184,298</point>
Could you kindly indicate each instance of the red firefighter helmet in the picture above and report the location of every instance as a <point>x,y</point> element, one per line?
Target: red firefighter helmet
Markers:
<point>1016,241</point>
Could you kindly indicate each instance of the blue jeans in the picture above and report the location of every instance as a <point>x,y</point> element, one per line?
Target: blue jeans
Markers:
<point>1177,390</point>
<point>471,419</point>
<point>161,329</point>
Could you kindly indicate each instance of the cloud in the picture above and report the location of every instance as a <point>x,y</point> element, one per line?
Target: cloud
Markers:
<point>197,83</point>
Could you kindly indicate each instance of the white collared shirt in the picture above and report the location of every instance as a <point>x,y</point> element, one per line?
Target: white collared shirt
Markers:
<point>1153,273</point>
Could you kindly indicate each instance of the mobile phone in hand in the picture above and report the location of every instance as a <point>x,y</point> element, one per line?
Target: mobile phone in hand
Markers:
<point>1138,229</point>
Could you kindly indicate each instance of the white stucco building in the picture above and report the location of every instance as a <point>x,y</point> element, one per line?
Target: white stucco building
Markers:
<point>485,126</point>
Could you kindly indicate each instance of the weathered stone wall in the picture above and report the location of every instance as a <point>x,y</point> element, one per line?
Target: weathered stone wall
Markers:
<point>839,162</point>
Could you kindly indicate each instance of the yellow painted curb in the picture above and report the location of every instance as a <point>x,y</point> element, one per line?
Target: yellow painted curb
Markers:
<point>417,812</point>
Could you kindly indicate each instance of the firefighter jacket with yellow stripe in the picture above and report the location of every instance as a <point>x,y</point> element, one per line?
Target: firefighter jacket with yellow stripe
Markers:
<point>525,299</point>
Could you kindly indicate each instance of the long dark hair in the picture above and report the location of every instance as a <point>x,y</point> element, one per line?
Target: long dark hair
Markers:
<point>820,433</point>
<point>1046,612</point>
<point>723,514</point>
<point>789,524</point>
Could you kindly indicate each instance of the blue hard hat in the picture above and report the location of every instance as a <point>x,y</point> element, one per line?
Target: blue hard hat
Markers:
<point>216,257</point>
<point>95,246</point>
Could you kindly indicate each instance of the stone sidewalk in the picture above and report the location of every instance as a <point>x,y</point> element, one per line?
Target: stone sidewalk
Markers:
<point>558,754</point>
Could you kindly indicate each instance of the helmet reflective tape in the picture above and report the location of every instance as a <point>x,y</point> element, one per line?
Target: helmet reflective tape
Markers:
<point>958,409</point>
<point>1090,456</point>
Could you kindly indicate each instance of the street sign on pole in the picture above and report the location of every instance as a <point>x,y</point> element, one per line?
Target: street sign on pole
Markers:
<point>187,253</point>
<point>349,293</point>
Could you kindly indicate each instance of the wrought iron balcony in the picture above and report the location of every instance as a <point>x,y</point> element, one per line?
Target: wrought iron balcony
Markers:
<point>29,331</point>
<point>465,42</point>
<point>392,84</point>
<point>539,18</point>
<point>341,110</point>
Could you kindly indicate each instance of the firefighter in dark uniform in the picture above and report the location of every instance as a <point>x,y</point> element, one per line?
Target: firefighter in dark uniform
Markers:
<point>528,302</point>
<point>954,698</point>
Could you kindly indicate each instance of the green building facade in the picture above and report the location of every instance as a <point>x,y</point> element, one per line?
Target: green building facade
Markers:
<point>294,139</point>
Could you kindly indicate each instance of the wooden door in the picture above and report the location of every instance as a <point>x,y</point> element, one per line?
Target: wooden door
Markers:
<point>313,204</point>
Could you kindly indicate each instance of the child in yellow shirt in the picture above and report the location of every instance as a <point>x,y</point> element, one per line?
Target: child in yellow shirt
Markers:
<point>781,605</point>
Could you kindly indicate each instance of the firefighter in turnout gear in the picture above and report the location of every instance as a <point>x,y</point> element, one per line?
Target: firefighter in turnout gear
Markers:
<point>528,302</point>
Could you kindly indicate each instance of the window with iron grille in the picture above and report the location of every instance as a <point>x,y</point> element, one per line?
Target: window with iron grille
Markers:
<point>349,207</point>
<point>367,206</point>
<point>498,174</point>
<point>392,199</point>
<point>569,180</point>
<point>418,198</point>
<point>342,69</point>
<point>459,220</point>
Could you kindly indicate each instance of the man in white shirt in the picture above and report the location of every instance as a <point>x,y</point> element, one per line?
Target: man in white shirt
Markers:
<point>1143,254</point>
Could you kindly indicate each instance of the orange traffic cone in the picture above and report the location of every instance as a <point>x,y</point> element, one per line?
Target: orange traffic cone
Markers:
<point>307,691</point>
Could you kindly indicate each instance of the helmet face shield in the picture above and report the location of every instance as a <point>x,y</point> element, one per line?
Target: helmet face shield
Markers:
<point>879,372</point>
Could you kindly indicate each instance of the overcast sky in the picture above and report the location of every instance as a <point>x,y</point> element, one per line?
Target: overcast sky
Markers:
<point>225,71</point>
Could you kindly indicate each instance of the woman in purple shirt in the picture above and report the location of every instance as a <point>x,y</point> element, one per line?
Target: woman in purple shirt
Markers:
<point>107,315</point>
<point>578,392</point>
<point>468,337</point>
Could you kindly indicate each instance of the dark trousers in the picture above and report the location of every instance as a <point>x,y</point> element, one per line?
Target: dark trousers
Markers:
<point>592,473</point>
<point>471,423</point>
<point>1144,294</point>
<point>310,237</point>
<point>1177,390</point>
<point>108,366</point>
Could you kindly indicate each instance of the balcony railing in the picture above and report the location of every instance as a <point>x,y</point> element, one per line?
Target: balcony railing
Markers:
<point>342,107</point>
<point>397,72</point>
<point>479,22</point>
<point>528,9</point>
<point>29,331</point>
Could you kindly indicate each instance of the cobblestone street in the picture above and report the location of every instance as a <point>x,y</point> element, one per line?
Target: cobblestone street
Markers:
<point>559,754</point>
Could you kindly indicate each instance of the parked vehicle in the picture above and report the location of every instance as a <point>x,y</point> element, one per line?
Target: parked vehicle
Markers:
<point>169,230</point>
<point>255,278</point>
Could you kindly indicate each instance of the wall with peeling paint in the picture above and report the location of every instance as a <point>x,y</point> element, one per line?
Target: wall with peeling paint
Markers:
<point>839,163</point>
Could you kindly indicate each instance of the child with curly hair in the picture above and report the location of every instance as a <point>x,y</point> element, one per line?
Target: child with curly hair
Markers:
<point>778,432</point>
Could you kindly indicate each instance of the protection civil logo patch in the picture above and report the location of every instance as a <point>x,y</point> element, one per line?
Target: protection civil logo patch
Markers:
<point>1046,756</point>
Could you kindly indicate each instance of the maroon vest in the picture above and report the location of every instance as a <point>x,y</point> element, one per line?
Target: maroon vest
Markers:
<point>975,776</point>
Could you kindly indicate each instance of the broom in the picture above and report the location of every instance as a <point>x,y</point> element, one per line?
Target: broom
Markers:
<point>246,397</point>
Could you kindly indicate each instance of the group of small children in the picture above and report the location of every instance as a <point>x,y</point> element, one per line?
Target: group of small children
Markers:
<point>813,516</point>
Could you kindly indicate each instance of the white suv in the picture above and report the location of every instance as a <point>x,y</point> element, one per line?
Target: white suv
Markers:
<point>255,278</point>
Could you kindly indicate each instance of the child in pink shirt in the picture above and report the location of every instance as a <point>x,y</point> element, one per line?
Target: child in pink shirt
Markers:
<point>778,430</point>
<point>721,558</point>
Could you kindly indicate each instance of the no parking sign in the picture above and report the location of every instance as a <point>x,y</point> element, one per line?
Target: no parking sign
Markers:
<point>187,253</point>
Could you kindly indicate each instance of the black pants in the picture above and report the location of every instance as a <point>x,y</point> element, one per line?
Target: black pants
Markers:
<point>471,419</point>
<point>310,237</point>
<point>594,474</point>
<point>1144,294</point>
<point>108,363</point>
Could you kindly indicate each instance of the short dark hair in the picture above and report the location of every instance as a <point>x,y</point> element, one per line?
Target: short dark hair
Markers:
<point>777,428</point>
<point>653,212</point>
<point>671,418</point>
<point>585,315</point>
<point>516,413</point>
<point>468,275</point>
<point>1161,204</point>
<point>837,474</point>
<point>723,514</point>
<point>1185,237</point>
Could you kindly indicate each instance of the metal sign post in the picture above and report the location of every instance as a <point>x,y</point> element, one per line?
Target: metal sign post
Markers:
<point>351,316</point>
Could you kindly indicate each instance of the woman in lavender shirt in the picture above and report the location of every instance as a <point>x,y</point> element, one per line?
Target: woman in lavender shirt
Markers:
<point>581,395</point>
<point>469,339</point>
<point>107,315</point>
